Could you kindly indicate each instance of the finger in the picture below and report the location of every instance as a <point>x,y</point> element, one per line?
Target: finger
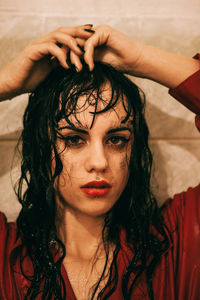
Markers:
<point>60,38</point>
<point>99,38</point>
<point>75,60</point>
<point>55,61</point>
<point>89,46</point>
<point>66,51</point>
<point>81,43</point>
<point>45,49</point>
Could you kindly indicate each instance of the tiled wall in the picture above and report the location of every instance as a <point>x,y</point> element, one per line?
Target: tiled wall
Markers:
<point>171,25</point>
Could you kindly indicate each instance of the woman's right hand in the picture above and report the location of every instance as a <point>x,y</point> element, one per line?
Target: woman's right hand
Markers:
<point>35,62</point>
<point>113,47</point>
<point>132,57</point>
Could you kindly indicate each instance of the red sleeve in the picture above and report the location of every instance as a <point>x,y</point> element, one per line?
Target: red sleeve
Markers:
<point>7,244</point>
<point>182,217</point>
<point>188,93</point>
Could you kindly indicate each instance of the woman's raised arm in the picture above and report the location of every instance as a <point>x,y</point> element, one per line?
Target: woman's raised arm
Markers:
<point>35,62</point>
<point>138,59</point>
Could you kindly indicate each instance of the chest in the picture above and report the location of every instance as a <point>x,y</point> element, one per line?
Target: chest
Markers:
<point>84,277</point>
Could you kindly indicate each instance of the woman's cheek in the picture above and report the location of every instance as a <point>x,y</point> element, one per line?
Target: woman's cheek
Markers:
<point>121,166</point>
<point>71,167</point>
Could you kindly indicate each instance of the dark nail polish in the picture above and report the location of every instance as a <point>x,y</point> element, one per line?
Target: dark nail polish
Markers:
<point>91,25</point>
<point>89,30</point>
<point>81,48</point>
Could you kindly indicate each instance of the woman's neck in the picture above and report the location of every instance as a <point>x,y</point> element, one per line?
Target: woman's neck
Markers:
<point>80,233</point>
<point>86,256</point>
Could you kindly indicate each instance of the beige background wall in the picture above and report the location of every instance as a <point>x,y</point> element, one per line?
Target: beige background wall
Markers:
<point>171,25</point>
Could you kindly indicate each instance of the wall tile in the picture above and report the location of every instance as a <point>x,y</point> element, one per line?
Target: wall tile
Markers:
<point>126,25</point>
<point>16,32</point>
<point>8,160</point>
<point>104,7</point>
<point>166,117</point>
<point>9,204</point>
<point>11,117</point>
<point>179,35</point>
<point>176,167</point>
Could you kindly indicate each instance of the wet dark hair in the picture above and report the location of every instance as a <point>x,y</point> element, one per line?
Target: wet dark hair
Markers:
<point>136,212</point>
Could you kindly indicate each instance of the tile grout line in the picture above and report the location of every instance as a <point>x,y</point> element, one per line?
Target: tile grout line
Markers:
<point>136,16</point>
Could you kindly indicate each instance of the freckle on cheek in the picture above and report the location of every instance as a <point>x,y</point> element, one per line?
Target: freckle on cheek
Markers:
<point>123,164</point>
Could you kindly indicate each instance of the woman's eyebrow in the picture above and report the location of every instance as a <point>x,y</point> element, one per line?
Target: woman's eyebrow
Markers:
<point>117,129</point>
<point>74,129</point>
<point>112,130</point>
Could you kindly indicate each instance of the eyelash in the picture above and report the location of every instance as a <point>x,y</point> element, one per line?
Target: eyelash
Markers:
<point>70,138</point>
<point>123,141</point>
<point>76,144</point>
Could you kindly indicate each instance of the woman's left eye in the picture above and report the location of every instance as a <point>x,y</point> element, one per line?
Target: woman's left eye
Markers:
<point>117,140</point>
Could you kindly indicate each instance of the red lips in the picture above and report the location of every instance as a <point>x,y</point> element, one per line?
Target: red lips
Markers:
<point>96,188</point>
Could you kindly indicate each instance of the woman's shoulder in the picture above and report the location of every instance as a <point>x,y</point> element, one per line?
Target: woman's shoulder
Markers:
<point>5,225</point>
<point>12,283</point>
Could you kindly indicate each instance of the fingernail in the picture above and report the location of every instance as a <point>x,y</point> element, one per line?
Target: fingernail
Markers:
<point>89,30</point>
<point>81,48</point>
<point>89,25</point>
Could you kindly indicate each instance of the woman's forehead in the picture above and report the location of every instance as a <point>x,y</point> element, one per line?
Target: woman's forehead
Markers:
<point>84,115</point>
<point>102,103</point>
<point>88,106</point>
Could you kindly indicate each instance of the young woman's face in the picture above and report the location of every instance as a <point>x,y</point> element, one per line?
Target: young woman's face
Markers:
<point>95,161</point>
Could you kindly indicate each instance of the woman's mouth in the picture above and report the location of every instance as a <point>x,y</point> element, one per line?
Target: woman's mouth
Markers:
<point>96,188</point>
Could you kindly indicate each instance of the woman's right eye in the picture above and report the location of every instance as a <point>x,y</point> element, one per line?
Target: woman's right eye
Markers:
<point>74,141</point>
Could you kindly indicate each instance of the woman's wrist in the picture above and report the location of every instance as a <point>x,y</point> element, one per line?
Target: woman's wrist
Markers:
<point>6,91</point>
<point>7,86</point>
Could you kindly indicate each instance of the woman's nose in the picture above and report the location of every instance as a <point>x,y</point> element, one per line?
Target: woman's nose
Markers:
<point>96,159</point>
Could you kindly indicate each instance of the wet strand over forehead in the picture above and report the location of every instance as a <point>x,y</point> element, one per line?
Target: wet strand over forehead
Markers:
<point>100,100</point>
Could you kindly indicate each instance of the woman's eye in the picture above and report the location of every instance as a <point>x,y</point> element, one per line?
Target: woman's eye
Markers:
<point>117,141</point>
<point>74,140</point>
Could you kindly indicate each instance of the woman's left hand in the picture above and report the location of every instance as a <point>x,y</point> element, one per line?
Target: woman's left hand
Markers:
<point>111,46</point>
<point>132,57</point>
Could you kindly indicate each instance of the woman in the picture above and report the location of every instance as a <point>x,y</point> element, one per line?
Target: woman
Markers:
<point>89,227</point>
